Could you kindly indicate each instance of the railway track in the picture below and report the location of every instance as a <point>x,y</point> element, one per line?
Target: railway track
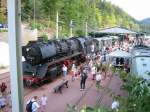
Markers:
<point>4,77</point>
<point>100,98</point>
<point>84,94</point>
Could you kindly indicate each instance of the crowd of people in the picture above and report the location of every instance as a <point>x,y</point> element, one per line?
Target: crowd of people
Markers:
<point>37,104</point>
<point>96,68</point>
<point>92,69</point>
<point>5,98</point>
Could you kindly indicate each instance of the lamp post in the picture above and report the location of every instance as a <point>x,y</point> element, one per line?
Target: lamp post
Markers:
<point>86,30</point>
<point>34,13</point>
<point>57,22</point>
<point>71,26</point>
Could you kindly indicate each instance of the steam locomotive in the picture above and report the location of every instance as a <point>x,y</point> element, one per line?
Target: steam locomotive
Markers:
<point>43,60</point>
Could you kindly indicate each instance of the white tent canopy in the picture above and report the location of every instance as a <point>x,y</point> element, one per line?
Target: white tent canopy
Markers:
<point>120,54</point>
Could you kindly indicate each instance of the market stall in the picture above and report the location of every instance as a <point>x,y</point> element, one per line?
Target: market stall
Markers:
<point>119,58</point>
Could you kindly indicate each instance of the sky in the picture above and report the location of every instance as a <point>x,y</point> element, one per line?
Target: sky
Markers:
<point>138,9</point>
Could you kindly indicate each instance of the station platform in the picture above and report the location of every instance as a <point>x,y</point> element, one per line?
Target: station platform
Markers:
<point>74,97</point>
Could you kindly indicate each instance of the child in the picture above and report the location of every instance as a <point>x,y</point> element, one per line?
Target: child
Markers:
<point>3,88</point>
<point>93,72</point>
<point>2,103</point>
<point>43,103</point>
<point>98,79</point>
<point>73,70</point>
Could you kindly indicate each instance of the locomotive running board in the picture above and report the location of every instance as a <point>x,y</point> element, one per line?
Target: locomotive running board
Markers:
<point>62,59</point>
<point>41,69</point>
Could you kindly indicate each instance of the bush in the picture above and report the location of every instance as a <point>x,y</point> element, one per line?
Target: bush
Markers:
<point>138,99</point>
<point>123,74</point>
<point>95,109</point>
<point>45,36</point>
<point>71,108</point>
<point>38,26</point>
<point>3,30</point>
<point>113,69</point>
<point>80,33</point>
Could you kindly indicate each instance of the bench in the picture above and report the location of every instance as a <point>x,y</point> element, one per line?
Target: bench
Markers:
<point>59,87</point>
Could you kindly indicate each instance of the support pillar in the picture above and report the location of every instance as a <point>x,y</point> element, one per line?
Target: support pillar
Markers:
<point>14,27</point>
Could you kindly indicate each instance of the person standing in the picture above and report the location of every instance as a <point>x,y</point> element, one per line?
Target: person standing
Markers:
<point>104,72</point>
<point>2,103</point>
<point>83,79</point>
<point>73,71</point>
<point>90,65</point>
<point>92,50</point>
<point>3,88</point>
<point>8,100</point>
<point>93,72</point>
<point>32,105</point>
<point>43,101</point>
<point>64,70</point>
<point>115,106</point>
<point>98,79</point>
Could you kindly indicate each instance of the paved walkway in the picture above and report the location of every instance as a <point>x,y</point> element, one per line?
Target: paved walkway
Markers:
<point>58,102</point>
<point>90,97</point>
<point>4,70</point>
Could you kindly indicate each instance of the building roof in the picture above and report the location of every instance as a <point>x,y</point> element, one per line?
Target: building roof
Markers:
<point>120,54</point>
<point>116,30</point>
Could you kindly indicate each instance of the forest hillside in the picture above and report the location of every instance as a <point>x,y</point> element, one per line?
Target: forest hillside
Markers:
<point>97,14</point>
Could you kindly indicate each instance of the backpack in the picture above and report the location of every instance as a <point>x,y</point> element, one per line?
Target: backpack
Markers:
<point>29,106</point>
<point>84,76</point>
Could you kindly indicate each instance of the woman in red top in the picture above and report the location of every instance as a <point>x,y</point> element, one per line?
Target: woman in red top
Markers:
<point>3,88</point>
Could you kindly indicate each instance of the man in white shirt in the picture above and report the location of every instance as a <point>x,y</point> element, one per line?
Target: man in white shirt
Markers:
<point>35,105</point>
<point>115,105</point>
<point>64,69</point>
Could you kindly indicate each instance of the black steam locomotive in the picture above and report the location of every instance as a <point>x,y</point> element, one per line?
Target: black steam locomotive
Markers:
<point>43,60</point>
